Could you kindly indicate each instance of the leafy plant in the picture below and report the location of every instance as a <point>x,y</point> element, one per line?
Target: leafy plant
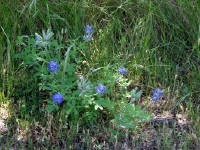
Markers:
<point>44,57</point>
<point>74,96</point>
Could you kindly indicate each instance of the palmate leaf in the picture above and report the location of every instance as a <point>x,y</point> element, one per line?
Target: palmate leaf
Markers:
<point>51,107</point>
<point>44,40</point>
<point>106,103</point>
<point>129,115</point>
<point>135,95</point>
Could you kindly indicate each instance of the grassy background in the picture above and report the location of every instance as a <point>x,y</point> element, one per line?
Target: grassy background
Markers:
<point>156,40</point>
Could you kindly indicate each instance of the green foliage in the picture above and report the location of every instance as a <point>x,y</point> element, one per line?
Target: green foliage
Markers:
<point>156,40</point>
<point>79,96</point>
<point>135,95</point>
<point>130,115</point>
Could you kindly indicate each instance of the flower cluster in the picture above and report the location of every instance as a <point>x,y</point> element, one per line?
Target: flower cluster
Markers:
<point>156,94</point>
<point>123,70</point>
<point>53,66</point>
<point>88,32</point>
<point>100,89</point>
<point>57,98</point>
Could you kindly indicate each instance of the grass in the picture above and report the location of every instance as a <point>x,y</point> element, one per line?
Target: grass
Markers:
<point>156,41</point>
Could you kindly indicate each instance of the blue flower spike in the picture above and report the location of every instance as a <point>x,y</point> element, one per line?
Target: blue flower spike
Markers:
<point>156,94</point>
<point>36,42</point>
<point>100,89</point>
<point>57,98</point>
<point>123,71</point>
<point>89,29</point>
<point>53,66</point>
<point>88,32</point>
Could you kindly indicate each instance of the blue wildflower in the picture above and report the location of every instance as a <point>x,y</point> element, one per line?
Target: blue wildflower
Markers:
<point>81,77</point>
<point>88,32</point>
<point>100,89</point>
<point>89,29</point>
<point>123,70</point>
<point>156,94</point>
<point>57,98</point>
<point>36,41</point>
<point>53,66</point>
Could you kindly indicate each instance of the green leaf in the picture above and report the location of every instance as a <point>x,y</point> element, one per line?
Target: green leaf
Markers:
<point>105,103</point>
<point>135,95</point>
<point>50,108</point>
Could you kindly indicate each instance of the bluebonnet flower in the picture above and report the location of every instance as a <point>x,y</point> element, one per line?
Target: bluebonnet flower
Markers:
<point>123,70</point>
<point>36,41</point>
<point>156,94</point>
<point>53,66</point>
<point>57,98</point>
<point>81,77</point>
<point>89,29</point>
<point>100,89</point>
<point>88,32</point>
